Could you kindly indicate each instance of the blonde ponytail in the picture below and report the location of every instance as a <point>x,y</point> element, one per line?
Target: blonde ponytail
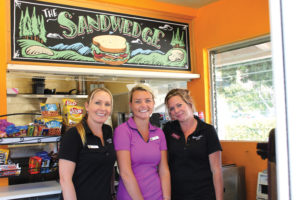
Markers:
<point>81,130</point>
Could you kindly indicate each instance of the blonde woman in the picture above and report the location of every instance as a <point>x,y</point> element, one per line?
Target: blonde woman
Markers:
<point>142,152</point>
<point>194,151</point>
<point>86,155</point>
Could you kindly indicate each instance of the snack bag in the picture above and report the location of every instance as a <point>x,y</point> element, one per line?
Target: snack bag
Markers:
<point>30,130</point>
<point>10,170</point>
<point>4,124</point>
<point>3,156</point>
<point>45,163</point>
<point>12,131</point>
<point>42,130</point>
<point>3,134</point>
<point>34,165</point>
<point>53,124</point>
<point>67,102</point>
<point>22,130</point>
<point>50,110</point>
<point>74,115</point>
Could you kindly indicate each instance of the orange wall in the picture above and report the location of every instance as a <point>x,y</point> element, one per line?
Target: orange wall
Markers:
<point>220,23</point>
<point>3,15</point>
<point>3,181</point>
<point>217,24</point>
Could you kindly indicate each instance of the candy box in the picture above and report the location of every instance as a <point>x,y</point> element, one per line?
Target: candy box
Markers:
<point>34,165</point>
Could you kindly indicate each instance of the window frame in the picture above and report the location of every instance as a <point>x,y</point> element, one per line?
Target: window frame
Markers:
<point>212,75</point>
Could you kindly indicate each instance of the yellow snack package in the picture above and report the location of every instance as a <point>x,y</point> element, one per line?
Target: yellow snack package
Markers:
<point>53,122</point>
<point>74,114</point>
<point>3,156</point>
<point>67,102</point>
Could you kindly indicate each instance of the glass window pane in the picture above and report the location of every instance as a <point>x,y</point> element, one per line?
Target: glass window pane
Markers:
<point>243,93</point>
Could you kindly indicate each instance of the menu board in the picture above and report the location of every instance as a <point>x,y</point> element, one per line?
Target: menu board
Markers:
<point>56,33</point>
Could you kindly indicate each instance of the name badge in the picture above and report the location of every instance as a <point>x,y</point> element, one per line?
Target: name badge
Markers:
<point>93,146</point>
<point>109,141</point>
<point>174,135</point>
<point>154,138</point>
<point>197,138</point>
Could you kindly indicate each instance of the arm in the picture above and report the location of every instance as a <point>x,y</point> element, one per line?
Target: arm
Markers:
<point>164,174</point>
<point>126,173</point>
<point>66,171</point>
<point>216,168</point>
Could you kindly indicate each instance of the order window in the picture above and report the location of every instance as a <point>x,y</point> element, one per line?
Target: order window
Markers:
<point>242,91</point>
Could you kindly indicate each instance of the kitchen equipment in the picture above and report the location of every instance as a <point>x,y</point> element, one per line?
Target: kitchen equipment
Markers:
<point>49,91</point>
<point>262,186</point>
<point>234,182</point>
<point>73,91</point>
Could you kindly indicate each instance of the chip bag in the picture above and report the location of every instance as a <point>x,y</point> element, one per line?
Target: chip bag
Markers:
<point>74,115</point>
<point>50,110</point>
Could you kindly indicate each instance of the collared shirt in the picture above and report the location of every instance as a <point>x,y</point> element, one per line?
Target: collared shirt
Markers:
<point>191,177</point>
<point>145,158</point>
<point>94,162</point>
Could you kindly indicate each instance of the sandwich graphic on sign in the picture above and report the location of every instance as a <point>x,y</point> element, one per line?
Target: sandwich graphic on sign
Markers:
<point>110,49</point>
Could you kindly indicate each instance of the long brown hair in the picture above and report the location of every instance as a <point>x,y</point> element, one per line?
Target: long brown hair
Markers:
<point>79,126</point>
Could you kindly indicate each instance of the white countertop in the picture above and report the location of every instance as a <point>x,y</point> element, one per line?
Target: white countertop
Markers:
<point>29,190</point>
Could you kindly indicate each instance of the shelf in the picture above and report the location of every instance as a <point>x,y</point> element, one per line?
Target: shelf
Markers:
<point>29,140</point>
<point>29,190</point>
<point>48,96</point>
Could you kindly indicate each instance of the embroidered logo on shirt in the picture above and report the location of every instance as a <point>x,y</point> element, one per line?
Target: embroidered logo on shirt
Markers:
<point>197,138</point>
<point>109,141</point>
<point>93,146</point>
<point>174,135</point>
<point>154,138</point>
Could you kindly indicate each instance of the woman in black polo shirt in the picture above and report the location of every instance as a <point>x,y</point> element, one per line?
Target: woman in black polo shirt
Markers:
<point>86,155</point>
<point>194,151</point>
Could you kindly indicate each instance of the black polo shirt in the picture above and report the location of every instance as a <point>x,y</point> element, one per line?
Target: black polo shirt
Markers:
<point>94,162</point>
<point>191,177</point>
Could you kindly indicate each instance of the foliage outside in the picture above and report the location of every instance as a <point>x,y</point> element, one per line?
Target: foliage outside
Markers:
<point>245,100</point>
<point>254,129</point>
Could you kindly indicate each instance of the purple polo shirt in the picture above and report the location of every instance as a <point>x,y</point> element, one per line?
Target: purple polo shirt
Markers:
<point>145,158</point>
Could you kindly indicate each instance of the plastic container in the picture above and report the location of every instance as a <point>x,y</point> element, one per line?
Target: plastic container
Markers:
<point>38,88</point>
<point>38,80</point>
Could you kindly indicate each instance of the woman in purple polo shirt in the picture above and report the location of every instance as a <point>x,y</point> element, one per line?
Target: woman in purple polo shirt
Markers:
<point>142,152</point>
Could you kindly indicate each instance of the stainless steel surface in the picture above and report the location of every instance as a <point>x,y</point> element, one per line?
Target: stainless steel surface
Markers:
<point>81,89</point>
<point>234,182</point>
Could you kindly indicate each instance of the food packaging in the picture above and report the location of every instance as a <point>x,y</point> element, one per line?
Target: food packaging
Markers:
<point>10,170</point>
<point>34,165</point>
<point>3,156</point>
<point>50,110</point>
